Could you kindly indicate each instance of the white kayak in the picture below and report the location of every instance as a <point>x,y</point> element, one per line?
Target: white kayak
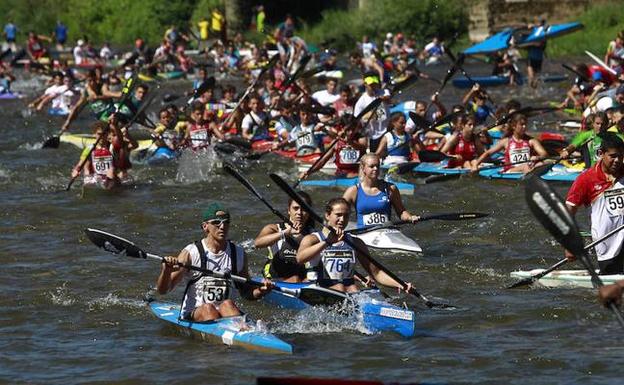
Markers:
<point>390,239</point>
<point>566,278</point>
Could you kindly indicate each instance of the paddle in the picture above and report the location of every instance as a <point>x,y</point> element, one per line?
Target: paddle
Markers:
<point>442,217</point>
<point>253,84</point>
<point>84,161</point>
<point>305,206</point>
<point>371,106</point>
<point>55,141</point>
<point>577,73</point>
<point>302,64</point>
<point>118,245</point>
<point>551,212</point>
<point>203,87</point>
<point>449,74</point>
<point>601,63</point>
<point>533,278</point>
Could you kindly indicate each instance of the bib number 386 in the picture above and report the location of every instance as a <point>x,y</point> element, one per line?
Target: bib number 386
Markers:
<point>375,219</point>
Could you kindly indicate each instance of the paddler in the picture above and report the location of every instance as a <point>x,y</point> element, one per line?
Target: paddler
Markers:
<point>283,240</point>
<point>99,168</point>
<point>377,119</point>
<point>207,298</point>
<point>396,145</point>
<point>589,139</point>
<point>522,152</point>
<point>255,124</point>
<point>464,146</point>
<point>602,188</point>
<point>374,198</point>
<point>331,259</point>
<point>198,133</point>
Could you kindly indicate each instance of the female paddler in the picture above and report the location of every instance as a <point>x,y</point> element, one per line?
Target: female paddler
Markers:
<point>464,145</point>
<point>374,198</point>
<point>283,240</point>
<point>522,152</point>
<point>332,259</point>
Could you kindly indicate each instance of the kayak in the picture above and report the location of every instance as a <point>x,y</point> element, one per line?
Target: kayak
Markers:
<point>155,156</point>
<point>389,239</point>
<point>566,278</point>
<point>377,315</point>
<point>225,330</point>
<point>162,76</point>
<point>11,96</point>
<point>438,168</point>
<point>502,40</point>
<point>58,112</point>
<point>558,173</point>
<point>404,188</point>
<point>86,140</point>
<point>495,80</point>
<point>336,74</point>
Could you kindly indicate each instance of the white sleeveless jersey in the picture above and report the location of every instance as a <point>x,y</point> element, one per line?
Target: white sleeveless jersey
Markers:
<point>210,289</point>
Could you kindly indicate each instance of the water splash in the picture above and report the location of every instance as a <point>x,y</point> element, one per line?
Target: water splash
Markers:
<point>61,296</point>
<point>197,166</point>
<point>31,146</point>
<point>112,300</point>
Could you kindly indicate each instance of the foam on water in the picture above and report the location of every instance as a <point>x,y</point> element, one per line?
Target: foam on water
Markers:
<point>197,166</point>
<point>112,300</point>
<point>31,146</point>
<point>61,296</point>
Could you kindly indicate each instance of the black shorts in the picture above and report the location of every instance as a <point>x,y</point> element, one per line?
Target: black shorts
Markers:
<point>535,64</point>
<point>614,265</point>
<point>374,143</point>
<point>10,40</point>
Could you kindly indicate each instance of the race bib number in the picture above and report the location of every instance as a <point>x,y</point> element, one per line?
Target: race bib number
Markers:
<point>520,155</point>
<point>374,219</point>
<point>214,290</point>
<point>199,137</point>
<point>102,164</point>
<point>339,264</point>
<point>306,139</point>
<point>615,202</point>
<point>348,155</point>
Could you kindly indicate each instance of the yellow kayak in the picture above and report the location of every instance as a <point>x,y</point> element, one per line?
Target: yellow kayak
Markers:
<point>86,140</point>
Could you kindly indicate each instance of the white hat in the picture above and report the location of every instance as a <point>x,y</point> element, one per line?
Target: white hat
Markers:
<point>80,42</point>
<point>604,104</point>
<point>389,35</point>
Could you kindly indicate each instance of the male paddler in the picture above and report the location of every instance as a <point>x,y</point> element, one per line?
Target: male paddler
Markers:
<point>602,188</point>
<point>206,297</point>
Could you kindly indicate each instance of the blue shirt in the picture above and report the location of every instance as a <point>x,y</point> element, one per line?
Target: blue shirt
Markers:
<point>60,32</point>
<point>11,31</point>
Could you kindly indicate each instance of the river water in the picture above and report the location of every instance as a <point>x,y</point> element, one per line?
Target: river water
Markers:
<point>71,313</point>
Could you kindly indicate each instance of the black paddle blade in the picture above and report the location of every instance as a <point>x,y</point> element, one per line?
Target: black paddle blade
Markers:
<point>320,296</point>
<point>400,86</point>
<point>238,141</point>
<point>523,282</point>
<point>114,244</point>
<point>168,98</point>
<point>52,142</point>
<point>431,156</point>
<point>419,120</point>
<point>296,197</point>
<point>403,168</point>
<point>371,106</point>
<point>204,86</point>
<point>537,172</point>
<point>441,178</point>
<point>550,210</point>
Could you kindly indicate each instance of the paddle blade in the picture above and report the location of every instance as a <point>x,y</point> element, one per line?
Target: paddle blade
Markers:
<point>419,120</point>
<point>168,98</point>
<point>204,86</point>
<point>398,87</point>
<point>431,156</point>
<point>371,106</point>
<point>523,282</point>
<point>550,210</point>
<point>114,244</point>
<point>441,178</point>
<point>52,142</point>
<point>296,197</point>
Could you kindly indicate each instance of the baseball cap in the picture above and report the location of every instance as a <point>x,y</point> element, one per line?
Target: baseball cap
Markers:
<point>211,212</point>
<point>605,103</point>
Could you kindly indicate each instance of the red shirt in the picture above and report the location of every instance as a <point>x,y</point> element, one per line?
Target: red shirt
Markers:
<point>588,186</point>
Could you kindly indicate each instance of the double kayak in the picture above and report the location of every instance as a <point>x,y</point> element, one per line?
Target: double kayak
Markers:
<point>566,278</point>
<point>375,314</point>
<point>234,331</point>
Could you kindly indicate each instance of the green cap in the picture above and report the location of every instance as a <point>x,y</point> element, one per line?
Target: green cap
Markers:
<point>212,210</point>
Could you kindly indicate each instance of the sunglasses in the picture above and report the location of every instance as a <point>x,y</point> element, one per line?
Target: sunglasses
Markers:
<point>218,222</point>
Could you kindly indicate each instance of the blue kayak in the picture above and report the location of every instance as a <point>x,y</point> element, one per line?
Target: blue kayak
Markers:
<point>225,330</point>
<point>404,188</point>
<point>501,40</point>
<point>495,80</point>
<point>162,155</point>
<point>438,168</point>
<point>58,112</point>
<point>377,315</point>
<point>558,173</point>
